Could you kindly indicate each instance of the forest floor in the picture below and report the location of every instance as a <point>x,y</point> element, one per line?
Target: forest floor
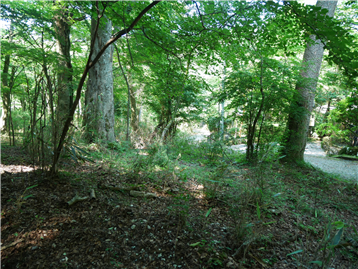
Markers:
<point>192,214</point>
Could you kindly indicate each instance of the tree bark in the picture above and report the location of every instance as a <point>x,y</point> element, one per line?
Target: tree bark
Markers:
<point>302,105</point>
<point>5,90</point>
<point>5,94</point>
<point>99,110</point>
<point>132,97</point>
<point>222,127</point>
<point>65,90</point>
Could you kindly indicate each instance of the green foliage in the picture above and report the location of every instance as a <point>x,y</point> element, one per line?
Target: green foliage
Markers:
<point>180,209</point>
<point>141,163</point>
<point>74,150</point>
<point>214,183</point>
<point>347,112</point>
<point>214,123</point>
<point>119,147</point>
<point>21,199</point>
<point>326,250</point>
<point>20,119</point>
<point>352,151</point>
<point>213,152</point>
<point>156,157</point>
<point>259,106</point>
<point>342,122</point>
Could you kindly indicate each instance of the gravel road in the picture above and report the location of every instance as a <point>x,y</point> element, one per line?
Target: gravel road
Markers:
<point>317,157</point>
<point>314,155</point>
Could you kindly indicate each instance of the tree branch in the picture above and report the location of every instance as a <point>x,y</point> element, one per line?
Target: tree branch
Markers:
<point>122,32</point>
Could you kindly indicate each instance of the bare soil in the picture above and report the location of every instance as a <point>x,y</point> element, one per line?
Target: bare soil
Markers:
<point>181,228</point>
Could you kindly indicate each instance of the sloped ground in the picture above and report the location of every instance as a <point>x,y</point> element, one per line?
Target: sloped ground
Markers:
<point>183,227</point>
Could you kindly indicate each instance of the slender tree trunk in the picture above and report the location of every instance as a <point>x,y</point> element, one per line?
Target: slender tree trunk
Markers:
<point>10,121</point>
<point>328,109</point>
<point>5,94</point>
<point>128,91</point>
<point>5,90</point>
<point>302,106</point>
<point>140,114</point>
<point>223,106</point>
<point>131,93</point>
<point>99,110</point>
<point>254,119</point>
<point>134,113</point>
<point>65,70</point>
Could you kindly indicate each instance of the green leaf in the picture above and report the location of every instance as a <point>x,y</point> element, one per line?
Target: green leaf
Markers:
<point>208,213</point>
<point>258,211</point>
<point>31,187</point>
<point>355,230</point>
<point>295,252</point>
<point>338,224</point>
<point>195,244</point>
<point>316,262</point>
<point>337,238</point>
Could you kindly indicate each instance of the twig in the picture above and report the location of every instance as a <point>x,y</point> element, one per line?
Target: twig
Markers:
<point>12,244</point>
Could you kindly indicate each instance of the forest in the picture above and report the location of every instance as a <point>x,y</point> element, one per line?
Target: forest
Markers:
<point>179,134</point>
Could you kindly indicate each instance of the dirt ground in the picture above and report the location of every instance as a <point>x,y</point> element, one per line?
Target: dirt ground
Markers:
<point>178,228</point>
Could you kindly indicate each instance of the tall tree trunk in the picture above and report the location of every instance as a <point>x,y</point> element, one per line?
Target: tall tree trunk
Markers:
<point>5,94</point>
<point>302,106</point>
<point>5,90</point>
<point>65,90</point>
<point>223,106</point>
<point>134,113</point>
<point>128,91</point>
<point>140,114</point>
<point>99,107</point>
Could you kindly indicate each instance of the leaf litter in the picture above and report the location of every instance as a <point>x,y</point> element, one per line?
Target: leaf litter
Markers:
<point>179,226</point>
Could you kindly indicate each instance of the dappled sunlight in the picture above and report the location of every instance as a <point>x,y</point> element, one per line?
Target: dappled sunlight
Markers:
<point>28,239</point>
<point>16,168</point>
<point>178,142</point>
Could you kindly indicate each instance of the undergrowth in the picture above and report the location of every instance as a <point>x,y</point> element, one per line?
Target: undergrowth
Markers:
<point>308,215</point>
<point>256,197</point>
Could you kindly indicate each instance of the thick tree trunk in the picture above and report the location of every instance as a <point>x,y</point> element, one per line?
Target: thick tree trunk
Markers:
<point>65,90</point>
<point>99,107</point>
<point>302,106</point>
